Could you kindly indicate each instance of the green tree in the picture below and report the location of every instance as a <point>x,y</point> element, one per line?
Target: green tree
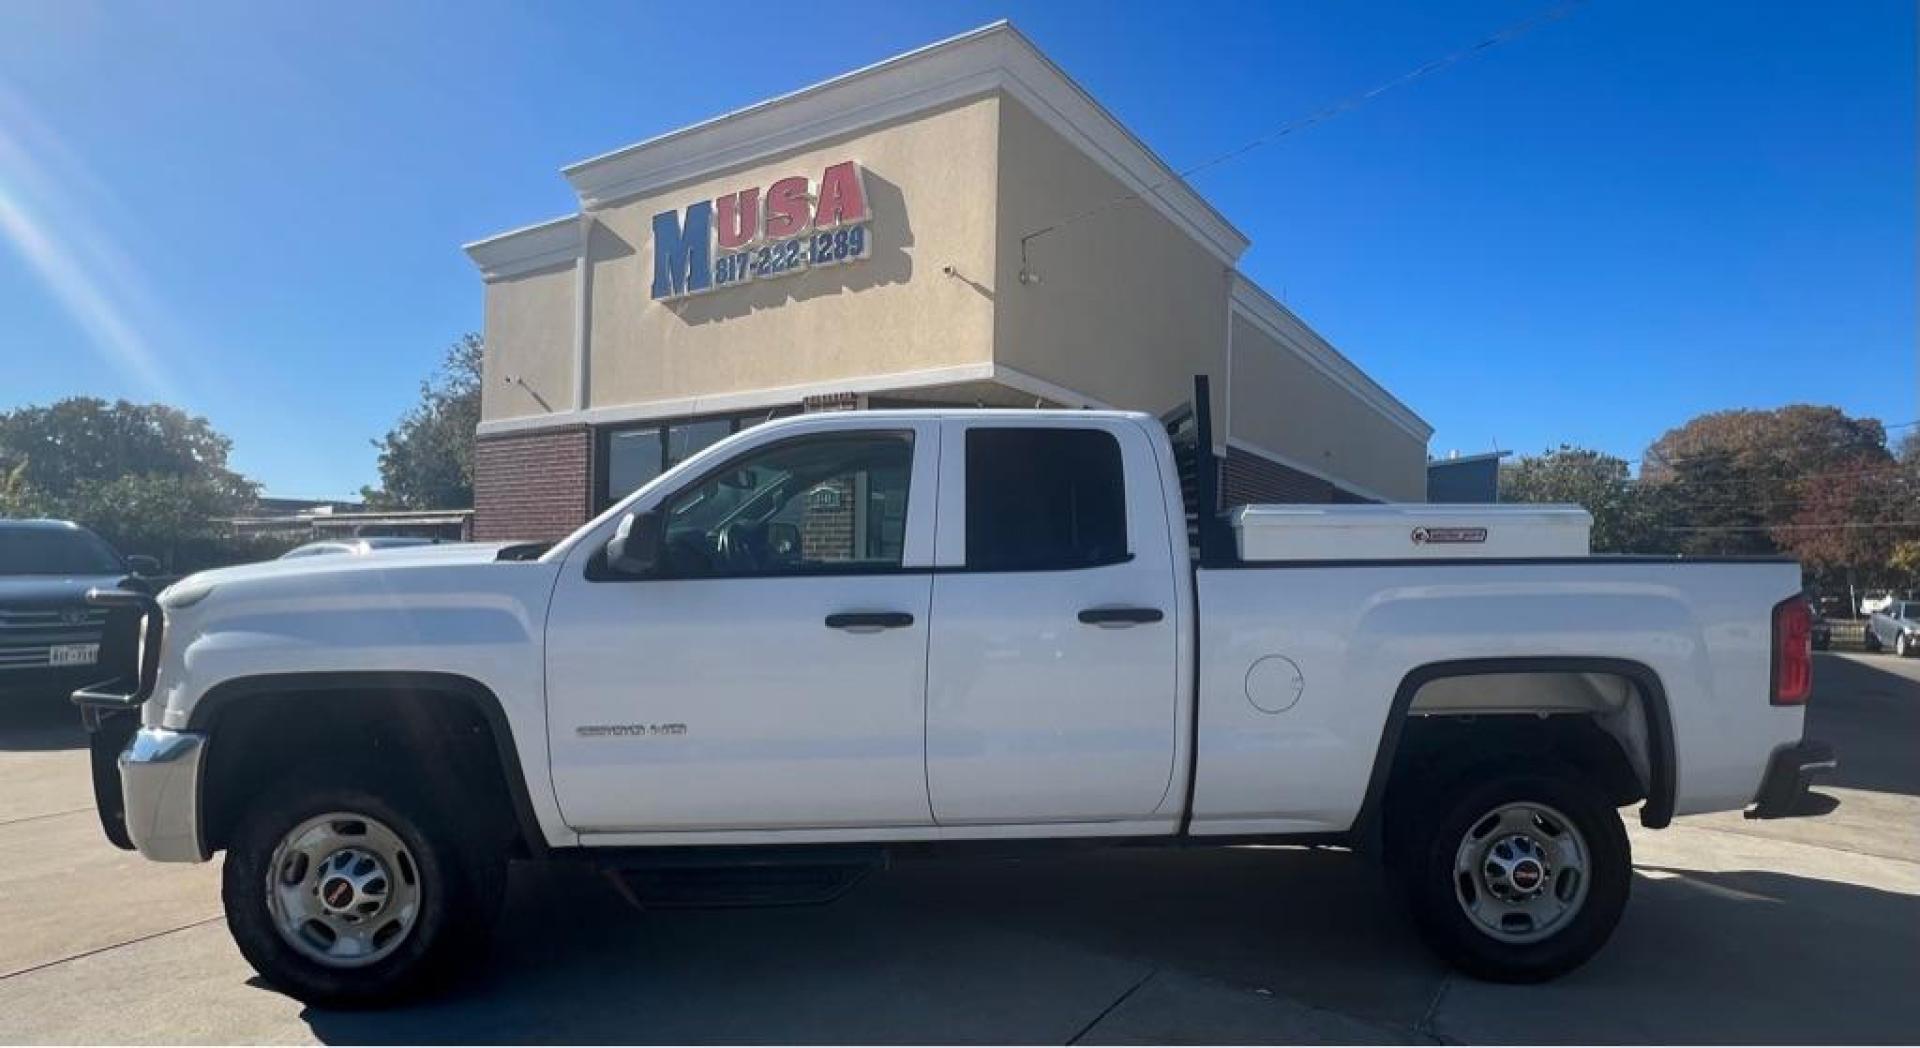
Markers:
<point>426,461</point>
<point>16,499</point>
<point>1905,562</point>
<point>1734,482</point>
<point>1849,524</point>
<point>149,478</point>
<point>1624,521</point>
<point>1904,559</point>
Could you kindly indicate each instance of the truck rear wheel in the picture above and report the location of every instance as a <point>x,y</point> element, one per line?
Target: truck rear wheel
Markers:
<point>353,896</point>
<point>1518,877</point>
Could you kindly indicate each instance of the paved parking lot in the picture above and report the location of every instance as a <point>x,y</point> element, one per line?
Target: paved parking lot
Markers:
<point>1796,931</point>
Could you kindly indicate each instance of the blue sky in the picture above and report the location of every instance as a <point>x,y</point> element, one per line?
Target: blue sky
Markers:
<point>1643,212</point>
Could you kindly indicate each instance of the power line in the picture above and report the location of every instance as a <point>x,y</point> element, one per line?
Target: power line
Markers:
<point>1512,32</point>
<point>1725,482</point>
<point>1719,453</point>
<point>1798,478</point>
<point>1864,525</point>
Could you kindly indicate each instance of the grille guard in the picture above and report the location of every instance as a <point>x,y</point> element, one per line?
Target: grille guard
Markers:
<point>106,697</point>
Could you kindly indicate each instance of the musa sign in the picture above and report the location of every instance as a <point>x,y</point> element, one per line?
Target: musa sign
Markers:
<point>750,235</point>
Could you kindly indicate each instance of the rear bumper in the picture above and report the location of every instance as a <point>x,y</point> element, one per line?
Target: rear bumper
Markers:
<point>1792,769</point>
<point>160,793</point>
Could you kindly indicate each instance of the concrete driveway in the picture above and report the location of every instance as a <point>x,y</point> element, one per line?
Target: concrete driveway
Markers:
<point>1795,931</point>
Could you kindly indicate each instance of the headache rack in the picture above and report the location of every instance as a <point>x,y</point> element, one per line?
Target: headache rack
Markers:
<point>1190,428</point>
<point>1219,536</point>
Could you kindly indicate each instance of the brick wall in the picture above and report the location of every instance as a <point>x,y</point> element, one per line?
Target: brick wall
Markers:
<point>826,529</point>
<point>536,486</point>
<point>831,402</point>
<point>1246,477</point>
<point>827,526</point>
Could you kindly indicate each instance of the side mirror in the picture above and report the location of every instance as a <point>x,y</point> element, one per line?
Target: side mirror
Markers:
<point>635,548</point>
<point>783,541</point>
<point>141,564</point>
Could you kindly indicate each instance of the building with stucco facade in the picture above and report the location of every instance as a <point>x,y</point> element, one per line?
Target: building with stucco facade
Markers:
<point>866,242</point>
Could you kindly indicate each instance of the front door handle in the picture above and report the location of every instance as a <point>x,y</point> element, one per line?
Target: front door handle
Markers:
<point>1116,617</point>
<point>868,621</point>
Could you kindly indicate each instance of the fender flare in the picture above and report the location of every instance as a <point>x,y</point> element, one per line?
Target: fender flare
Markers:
<point>476,695</point>
<point>1656,813</point>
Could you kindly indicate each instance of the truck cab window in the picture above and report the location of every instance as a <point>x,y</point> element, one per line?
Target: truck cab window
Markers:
<point>1044,498</point>
<point>816,505</point>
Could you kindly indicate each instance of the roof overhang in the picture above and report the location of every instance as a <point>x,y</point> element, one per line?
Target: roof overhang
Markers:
<point>555,242</point>
<point>1464,460</point>
<point>1279,323</point>
<point>994,58</point>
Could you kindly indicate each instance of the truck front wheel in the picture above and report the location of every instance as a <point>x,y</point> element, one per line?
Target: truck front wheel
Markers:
<point>1520,876</point>
<point>345,895</point>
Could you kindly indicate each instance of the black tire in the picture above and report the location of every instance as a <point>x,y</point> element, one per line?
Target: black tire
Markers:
<point>1868,641</point>
<point>460,888</point>
<point>1902,647</point>
<point>1426,870</point>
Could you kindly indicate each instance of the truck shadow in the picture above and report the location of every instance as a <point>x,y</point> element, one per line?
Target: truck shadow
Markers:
<point>1745,956</point>
<point>39,722</point>
<point>1033,950</point>
<point>1870,711</point>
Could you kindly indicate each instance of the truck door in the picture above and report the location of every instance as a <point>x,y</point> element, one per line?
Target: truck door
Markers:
<point>770,673</point>
<point>1051,674</point>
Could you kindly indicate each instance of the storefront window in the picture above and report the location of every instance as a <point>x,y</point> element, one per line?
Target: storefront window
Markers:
<point>633,458</point>
<point>686,438</point>
<point>637,455</point>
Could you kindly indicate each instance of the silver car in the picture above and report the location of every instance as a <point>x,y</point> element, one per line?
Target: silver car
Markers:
<point>1895,626</point>
<point>355,546</point>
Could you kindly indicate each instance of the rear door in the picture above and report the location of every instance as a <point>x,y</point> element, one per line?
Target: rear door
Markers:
<point>1051,681</point>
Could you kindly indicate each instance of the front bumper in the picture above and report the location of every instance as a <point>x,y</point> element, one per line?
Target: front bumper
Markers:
<point>146,781</point>
<point>1789,773</point>
<point>159,775</point>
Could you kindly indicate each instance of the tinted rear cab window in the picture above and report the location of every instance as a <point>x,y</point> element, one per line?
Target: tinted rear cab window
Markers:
<point>1044,499</point>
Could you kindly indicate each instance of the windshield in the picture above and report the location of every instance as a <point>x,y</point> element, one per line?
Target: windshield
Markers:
<point>55,551</point>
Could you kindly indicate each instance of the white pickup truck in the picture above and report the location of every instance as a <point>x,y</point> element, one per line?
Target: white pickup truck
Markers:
<point>835,636</point>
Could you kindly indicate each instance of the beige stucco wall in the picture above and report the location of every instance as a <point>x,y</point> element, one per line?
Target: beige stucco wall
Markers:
<point>1128,308</point>
<point>529,331</point>
<point>930,183</point>
<point>1284,404</point>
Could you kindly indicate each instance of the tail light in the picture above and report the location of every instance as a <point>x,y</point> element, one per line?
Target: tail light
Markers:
<point>1792,652</point>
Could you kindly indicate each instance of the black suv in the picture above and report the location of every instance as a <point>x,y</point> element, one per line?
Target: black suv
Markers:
<point>50,640</point>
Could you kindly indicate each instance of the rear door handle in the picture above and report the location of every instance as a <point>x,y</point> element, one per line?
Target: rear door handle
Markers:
<point>1114,617</point>
<point>868,621</point>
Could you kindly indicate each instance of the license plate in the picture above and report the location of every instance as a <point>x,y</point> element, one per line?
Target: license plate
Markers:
<point>73,655</point>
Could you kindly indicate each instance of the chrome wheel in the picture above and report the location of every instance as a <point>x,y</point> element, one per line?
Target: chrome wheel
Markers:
<point>343,889</point>
<point>1521,872</point>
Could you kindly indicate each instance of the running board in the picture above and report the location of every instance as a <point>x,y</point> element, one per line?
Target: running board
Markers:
<point>713,881</point>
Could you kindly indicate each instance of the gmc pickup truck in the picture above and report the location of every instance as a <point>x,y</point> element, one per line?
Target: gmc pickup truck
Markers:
<point>838,636</point>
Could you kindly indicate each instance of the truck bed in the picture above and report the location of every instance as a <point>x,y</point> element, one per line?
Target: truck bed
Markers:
<point>1305,665</point>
